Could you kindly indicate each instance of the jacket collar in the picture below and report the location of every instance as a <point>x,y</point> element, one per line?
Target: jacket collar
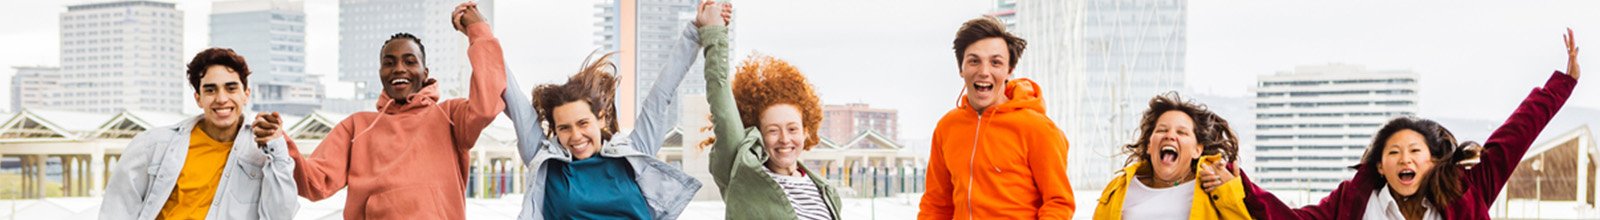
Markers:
<point>1023,94</point>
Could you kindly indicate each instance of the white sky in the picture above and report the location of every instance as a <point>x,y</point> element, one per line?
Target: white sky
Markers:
<point>1477,59</point>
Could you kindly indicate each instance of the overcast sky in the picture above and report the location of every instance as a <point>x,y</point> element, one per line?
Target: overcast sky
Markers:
<point>1477,59</point>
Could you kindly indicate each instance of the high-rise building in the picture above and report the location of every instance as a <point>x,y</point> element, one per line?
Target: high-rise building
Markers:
<point>33,87</point>
<point>271,35</point>
<point>1006,11</point>
<point>1313,123</point>
<point>1099,62</point>
<point>364,25</point>
<point>644,33</point>
<point>121,55</point>
<point>840,123</point>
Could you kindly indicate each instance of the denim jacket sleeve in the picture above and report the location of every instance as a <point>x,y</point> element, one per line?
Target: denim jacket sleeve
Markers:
<point>659,113</point>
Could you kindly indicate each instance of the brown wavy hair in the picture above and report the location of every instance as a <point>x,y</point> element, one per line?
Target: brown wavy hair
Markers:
<point>1442,185</point>
<point>1211,132</point>
<point>217,56</point>
<point>984,28</point>
<point>762,82</point>
<point>594,84</point>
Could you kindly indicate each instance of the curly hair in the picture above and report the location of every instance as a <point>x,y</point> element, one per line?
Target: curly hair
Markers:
<point>764,81</point>
<point>1442,185</point>
<point>1210,130</point>
<point>594,85</point>
<point>217,56</point>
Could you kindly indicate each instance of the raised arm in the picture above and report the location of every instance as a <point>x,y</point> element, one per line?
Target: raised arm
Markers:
<point>488,81</point>
<point>659,113</point>
<point>726,125</point>
<point>530,136</point>
<point>1506,146</point>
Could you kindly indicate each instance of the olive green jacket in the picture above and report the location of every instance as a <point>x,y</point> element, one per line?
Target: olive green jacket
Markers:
<point>737,157</point>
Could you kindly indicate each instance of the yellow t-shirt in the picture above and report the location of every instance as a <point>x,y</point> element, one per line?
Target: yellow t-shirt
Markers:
<point>197,182</point>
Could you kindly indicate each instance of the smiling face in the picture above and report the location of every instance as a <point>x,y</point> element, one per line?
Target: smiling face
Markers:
<point>985,67</point>
<point>1406,160</point>
<point>783,135</point>
<point>578,129</point>
<point>401,70</point>
<point>222,97</point>
<point>1172,146</point>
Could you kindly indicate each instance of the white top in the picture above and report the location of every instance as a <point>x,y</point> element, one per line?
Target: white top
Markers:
<point>804,195</point>
<point>1143,202</point>
<point>1381,205</point>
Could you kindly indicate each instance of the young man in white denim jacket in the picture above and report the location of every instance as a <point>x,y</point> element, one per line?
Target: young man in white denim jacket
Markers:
<point>210,166</point>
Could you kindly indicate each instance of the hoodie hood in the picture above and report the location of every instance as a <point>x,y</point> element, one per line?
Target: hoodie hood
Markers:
<point>428,96</point>
<point>1023,94</point>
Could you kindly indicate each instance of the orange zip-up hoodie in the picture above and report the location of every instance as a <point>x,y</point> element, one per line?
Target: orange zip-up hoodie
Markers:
<point>1008,163</point>
<point>408,161</point>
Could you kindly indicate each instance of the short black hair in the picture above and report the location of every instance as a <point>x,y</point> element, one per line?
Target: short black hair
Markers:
<point>414,39</point>
<point>217,56</point>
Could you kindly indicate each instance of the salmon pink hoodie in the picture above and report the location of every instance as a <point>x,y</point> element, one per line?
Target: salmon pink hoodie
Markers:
<point>408,161</point>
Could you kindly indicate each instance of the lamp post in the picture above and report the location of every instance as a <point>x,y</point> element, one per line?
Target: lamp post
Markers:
<point>1538,185</point>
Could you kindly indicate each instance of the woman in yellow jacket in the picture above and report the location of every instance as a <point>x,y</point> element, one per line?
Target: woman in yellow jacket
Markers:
<point>1180,160</point>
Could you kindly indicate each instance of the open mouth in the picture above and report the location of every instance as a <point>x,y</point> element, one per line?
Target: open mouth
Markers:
<point>983,86</point>
<point>1408,176</point>
<point>400,83</point>
<point>223,111</point>
<point>1169,154</point>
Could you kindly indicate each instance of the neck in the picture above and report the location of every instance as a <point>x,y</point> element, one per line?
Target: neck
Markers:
<point>790,170</point>
<point>1157,182</point>
<point>1410,206</point>
<point>220,134</point>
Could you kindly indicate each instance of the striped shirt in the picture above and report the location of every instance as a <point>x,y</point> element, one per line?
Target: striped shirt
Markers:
<point>803,194</point>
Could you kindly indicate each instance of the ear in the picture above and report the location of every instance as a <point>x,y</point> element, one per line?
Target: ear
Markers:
<point>197,102</point>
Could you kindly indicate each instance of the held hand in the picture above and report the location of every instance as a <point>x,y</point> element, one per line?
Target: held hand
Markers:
<point>266,128</point>
<point>1572,53</point>
<point>1214,175</point>
<point>727,13</point>
<point>710,14</point>
<point>465,15</point>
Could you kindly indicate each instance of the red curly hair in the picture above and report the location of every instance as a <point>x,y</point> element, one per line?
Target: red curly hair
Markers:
<point>762,82</point>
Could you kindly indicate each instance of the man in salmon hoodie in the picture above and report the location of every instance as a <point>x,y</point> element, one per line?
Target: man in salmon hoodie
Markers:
<point>996,155</point>
<point>409,159</point>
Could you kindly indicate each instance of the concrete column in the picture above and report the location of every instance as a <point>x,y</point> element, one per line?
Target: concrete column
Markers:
<point>97,172</point>
<point>27,176</point>
<point>67,185</point>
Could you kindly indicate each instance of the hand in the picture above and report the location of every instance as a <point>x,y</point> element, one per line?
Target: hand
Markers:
<point>465,15</point>
<point>711,11</point>
<point>1214,175</point>
<point>1572,53</point>
<point>266,128</point>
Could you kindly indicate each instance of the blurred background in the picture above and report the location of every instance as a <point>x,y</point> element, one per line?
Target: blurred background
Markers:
<point>1304,83</point>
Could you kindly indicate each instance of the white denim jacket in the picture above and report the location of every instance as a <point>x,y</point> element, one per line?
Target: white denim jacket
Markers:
<point>256,183</point>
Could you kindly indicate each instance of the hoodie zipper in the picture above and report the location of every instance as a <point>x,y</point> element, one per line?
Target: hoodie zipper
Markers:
<point>976,132</point>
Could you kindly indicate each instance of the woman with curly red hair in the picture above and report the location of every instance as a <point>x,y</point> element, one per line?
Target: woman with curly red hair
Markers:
<point>763,123</point>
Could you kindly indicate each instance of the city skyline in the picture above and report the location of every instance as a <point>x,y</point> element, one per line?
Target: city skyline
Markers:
<point>1227,47</point>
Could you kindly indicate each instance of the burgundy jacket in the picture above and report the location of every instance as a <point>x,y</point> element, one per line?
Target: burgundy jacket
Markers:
<point>1501,154</point>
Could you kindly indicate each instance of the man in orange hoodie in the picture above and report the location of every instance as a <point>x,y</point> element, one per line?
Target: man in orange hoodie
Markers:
<point>409,159</point>
<point>996,155</point>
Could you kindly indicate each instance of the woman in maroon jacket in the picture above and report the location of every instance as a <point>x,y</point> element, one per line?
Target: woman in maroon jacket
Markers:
<point>1387,167</point>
